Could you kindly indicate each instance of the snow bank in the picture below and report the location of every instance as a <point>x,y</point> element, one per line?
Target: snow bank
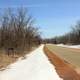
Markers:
<point>35,67</point>
<point>69,46</point>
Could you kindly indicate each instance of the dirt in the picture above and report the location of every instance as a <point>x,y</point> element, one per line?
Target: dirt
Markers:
<point>64,69</point>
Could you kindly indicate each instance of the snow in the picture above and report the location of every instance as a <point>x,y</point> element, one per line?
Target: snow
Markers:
<point>36,66</point>
<point>69,46</point>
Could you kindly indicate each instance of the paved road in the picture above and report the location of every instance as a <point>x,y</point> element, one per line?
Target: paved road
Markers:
<point>72,56</point>
<point>65,71</point>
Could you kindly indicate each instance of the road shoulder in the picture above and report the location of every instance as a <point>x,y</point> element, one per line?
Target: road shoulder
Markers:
<point>63,69</point>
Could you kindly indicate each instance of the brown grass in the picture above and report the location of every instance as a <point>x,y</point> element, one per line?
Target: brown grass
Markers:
<point>64,70</point>
<point>5,60</point>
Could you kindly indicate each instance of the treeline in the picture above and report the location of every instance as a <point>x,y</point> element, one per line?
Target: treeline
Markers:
<point>72,37</point>
<point>17,30</point>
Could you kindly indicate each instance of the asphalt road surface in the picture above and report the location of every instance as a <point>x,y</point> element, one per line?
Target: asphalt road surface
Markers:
<point>71,56</point>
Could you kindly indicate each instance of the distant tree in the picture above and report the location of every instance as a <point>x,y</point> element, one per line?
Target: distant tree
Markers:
<point>72,37</point>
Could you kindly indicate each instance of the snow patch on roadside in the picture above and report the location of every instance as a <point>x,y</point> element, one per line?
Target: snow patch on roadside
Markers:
<point>35,66</point>
<point>69,46</point>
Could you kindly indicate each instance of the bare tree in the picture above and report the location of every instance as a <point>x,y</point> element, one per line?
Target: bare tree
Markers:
<point>17,30</point>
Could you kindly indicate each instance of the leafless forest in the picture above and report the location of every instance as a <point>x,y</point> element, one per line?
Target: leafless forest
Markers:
<point>72,37</point>
<point>17,31</point>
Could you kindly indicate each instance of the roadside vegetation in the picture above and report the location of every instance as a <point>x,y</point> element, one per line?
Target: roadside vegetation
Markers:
<point>72,37</point>
<point>18,34</point>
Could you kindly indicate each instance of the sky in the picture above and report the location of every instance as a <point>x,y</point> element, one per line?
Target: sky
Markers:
<point>53,17</point>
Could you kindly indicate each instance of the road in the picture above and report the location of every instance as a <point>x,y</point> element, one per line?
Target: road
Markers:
<point>63,68</point>
<point>71,56</point>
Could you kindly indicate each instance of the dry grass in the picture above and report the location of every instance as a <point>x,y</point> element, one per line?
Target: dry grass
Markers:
<point>5,60</point>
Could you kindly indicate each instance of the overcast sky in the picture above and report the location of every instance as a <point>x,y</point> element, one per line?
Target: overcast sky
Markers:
<point>54,17</point>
